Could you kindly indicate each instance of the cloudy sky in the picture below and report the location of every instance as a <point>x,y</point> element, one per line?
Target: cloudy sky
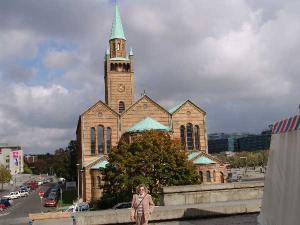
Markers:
<point>237,59</point>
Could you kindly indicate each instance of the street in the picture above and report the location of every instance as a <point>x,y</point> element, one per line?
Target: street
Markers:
<point>18,212</point>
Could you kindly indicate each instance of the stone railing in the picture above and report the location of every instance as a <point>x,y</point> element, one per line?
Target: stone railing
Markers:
<point>197,194</point>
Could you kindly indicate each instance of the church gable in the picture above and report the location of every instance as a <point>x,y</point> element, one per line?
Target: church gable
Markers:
<point>188,124</point>
<point>144,107</point>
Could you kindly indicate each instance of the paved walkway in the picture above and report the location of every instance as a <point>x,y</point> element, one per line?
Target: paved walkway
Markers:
<point>246,219</point>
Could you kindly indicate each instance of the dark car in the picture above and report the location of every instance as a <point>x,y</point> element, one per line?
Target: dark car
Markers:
<point>5,202</point>
<point>122,205</point>
<point>51,200</point>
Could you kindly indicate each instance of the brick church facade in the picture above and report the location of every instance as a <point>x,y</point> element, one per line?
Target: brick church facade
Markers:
<point>102,125</point>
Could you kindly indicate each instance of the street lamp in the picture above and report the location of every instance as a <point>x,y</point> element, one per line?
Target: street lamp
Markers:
<point>78,196</point>
<point>82,171</point>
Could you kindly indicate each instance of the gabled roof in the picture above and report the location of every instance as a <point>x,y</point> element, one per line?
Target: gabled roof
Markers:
<point>148,124</point>
<point>97,103</point>
<point>148,98</point>
<point>101,158</point>
<point>203,160</point>
<point>100,165</point>
<point>180,105</point>
<point>117,28</point>
<point>200,157</point>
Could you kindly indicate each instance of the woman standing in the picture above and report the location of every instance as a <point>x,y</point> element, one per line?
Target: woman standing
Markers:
<point>141,206</point>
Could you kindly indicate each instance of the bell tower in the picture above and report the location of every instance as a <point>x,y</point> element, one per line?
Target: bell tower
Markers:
<point>118,69</point>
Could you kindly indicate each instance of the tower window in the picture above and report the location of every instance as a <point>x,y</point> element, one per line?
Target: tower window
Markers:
<point>121,107</point>
<point>189,134</point>
<point>118,46</point>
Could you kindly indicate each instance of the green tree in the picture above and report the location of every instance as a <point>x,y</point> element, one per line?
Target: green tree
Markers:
<point>152,159</point>
<point>26,169</point>
<point>5,175</point>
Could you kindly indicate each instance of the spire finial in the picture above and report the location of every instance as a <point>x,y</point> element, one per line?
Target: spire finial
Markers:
<point>117,28</point>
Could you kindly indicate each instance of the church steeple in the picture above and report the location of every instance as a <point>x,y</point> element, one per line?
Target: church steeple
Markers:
<point>117,28</point>
<point>119,71</point>
<point>117,41</point>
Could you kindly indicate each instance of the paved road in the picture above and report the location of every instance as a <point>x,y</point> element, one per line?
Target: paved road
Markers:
<point>247,219</point>
<point>18,213</point>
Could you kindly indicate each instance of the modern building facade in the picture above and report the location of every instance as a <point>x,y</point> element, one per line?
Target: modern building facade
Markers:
<point>102,125</point>
<point>11,157</point>
<point>236,142</point>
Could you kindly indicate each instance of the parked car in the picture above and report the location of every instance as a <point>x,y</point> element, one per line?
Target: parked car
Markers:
<point>122,205</point>
<point>51,200</point>
<point>24,192</point>
<point>79,207</point>
<point>5,202</point>
<point>12,195</point>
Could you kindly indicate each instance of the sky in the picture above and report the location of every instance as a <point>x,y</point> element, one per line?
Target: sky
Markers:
<point>239,60</point>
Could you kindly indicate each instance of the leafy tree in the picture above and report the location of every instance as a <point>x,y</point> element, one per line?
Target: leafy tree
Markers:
<point>26,169</point>
<point>152,159</point>
<point>5,175</point>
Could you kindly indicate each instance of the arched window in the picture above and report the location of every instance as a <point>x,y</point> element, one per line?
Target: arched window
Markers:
<point>108,139</point>
<point>197,137</point>
<point>121,107</point>
<point>189,135</point>
<point>214,176</point>
<point>182,136</point>
<point>118,46</point>
<point>98,181</point>
<point>201,176</point>
<point>93,141</point>
<point>208,177</point>
<point>100,139</point>
<point>112,67</point>
<point>222,177</point>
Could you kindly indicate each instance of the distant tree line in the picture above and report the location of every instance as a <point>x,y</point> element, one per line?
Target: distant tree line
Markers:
<point>246,159</point>
<point>62,163</point>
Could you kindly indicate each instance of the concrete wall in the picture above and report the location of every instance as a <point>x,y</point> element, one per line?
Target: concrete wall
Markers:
<point>164,213</point>
<point>197,194</point>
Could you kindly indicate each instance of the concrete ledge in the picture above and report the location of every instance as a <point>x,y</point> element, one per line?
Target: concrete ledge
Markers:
<point>50,215</point>
<point>171,212</point>
<point>212,187</point>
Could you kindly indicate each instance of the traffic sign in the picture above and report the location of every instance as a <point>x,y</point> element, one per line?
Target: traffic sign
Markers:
<point>41,194</point>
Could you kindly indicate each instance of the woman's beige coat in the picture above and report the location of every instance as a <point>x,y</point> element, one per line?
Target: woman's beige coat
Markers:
<point>148,206</point>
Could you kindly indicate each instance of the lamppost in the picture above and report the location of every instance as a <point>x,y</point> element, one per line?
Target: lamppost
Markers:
<point>78,196</point>
<point>82,171</point>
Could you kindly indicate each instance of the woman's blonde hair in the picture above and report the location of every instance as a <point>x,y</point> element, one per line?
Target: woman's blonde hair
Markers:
<point>137,189</point>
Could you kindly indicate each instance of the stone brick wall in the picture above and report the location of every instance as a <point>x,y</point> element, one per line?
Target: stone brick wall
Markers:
<point>145,107</point>
<point>188,113</point>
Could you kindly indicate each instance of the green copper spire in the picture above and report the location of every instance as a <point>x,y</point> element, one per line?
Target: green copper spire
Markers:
<point>117,28</point>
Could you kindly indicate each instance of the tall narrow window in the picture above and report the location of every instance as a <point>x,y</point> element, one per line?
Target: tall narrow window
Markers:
<point>182,136</point>
<point>214,176</point>
<point>118,46</point>
<point>208,177</point>
<point>108,140</point>
<point>100,139</point>
<point>197,137</point>
<point>201,176</point>
<point>93,141</point>
<point>121,107</point>
<point>98,181</point>
<point>189,135</point>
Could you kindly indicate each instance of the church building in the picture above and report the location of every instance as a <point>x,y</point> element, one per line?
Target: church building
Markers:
<point>102,125</point>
